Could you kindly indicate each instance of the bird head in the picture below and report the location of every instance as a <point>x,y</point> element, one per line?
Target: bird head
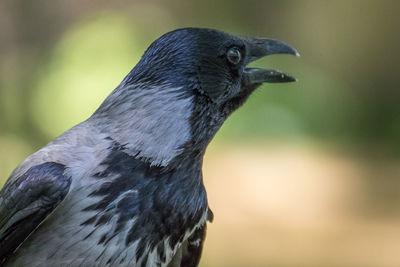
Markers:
<point>209,62</point>
<point>199,77</point>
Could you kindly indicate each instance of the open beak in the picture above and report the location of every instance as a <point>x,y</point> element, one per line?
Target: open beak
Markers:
<point>259,48</point>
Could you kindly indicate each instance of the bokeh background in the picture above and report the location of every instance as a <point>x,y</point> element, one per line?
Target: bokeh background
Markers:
<point>305,174</point>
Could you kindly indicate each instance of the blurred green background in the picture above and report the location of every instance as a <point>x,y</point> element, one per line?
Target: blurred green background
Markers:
<point>305,174</point>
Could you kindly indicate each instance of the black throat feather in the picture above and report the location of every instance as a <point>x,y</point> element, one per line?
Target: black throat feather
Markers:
<point>165,202</point>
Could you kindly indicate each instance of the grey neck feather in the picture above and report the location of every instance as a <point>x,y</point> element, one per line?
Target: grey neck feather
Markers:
<point>151,122</point>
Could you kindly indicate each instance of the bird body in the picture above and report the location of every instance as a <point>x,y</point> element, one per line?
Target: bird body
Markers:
<point>124,187</point>
<point>99,218</point>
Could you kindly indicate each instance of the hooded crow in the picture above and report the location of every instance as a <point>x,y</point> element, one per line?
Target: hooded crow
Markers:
<point>124,187</point>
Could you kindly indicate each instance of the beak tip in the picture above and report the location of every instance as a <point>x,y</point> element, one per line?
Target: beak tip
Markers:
<point>294,52</point>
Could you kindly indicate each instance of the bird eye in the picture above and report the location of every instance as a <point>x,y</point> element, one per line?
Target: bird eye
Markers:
<point>234,55</point>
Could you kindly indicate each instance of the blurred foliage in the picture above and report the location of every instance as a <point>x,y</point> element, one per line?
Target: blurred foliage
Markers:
<point>59,60</point>
<point>70,65</point>
<point>86,63</point>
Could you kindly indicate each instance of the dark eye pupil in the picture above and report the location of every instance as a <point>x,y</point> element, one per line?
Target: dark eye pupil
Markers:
<point>234,55</point>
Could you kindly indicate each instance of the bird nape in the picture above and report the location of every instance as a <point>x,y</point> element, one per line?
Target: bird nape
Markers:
<point>125,186</point>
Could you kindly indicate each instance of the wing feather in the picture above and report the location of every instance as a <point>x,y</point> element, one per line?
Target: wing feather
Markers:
<point>27,201</point>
